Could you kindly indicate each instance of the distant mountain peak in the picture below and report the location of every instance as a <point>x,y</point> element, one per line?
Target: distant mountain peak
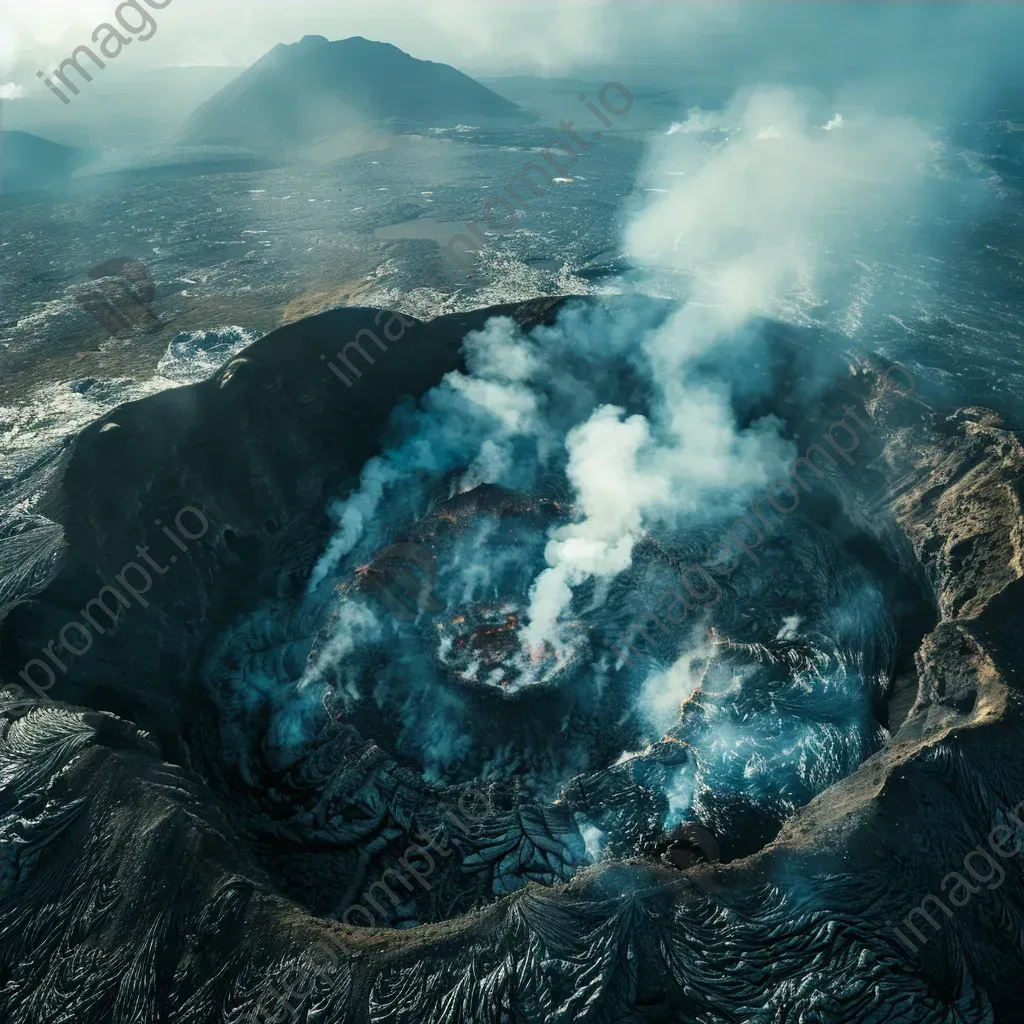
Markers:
<point>315,88</point>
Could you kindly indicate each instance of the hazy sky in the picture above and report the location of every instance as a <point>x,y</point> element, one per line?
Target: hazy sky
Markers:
<point>473,34</point>
<point>934,48</point>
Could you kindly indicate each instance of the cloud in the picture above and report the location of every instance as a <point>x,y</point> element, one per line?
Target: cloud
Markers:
<point>11,91</point>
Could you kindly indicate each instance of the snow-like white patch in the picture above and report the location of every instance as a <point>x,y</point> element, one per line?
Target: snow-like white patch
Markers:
<point>195,355</point>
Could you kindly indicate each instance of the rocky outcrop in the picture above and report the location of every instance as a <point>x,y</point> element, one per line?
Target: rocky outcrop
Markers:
<point>130,886</point>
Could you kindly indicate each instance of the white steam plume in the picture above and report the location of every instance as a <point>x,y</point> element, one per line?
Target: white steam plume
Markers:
<point>745,225</point>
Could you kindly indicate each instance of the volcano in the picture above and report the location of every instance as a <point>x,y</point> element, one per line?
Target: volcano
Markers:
<point>316,88</point>
<point>283,753</point>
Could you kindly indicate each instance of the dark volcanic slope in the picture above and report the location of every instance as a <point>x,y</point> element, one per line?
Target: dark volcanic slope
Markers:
<point>314,88</point>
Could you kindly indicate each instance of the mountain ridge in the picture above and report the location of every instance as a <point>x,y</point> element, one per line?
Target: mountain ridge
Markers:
<point>29,161</point>
<point>298,93</point>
